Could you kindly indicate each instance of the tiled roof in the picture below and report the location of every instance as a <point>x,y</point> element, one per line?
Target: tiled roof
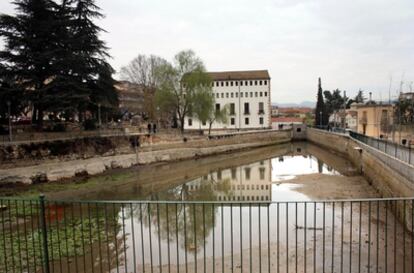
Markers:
<point>240,75</point>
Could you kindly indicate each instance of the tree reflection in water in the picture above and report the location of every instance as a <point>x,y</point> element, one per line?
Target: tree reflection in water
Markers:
<point>191,224</point>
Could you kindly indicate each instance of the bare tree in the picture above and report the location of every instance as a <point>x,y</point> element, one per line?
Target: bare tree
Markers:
<point>141,71</point>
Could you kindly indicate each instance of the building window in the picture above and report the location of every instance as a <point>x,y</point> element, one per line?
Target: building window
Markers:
<point>217,84</point>
<point>246,83</point>
<point>222,83</point>
<point>265,94</point>
<point>265,82</point>
<point>219,174</point>
<point>247,173</point>
<point>218,95</point>
<point>255,82</point>
<point>260,82</point>
<point>261,121</point>
<point>261,108</point>
<point>231,83</point>
<point>255,94</point>
<point>190,122</point>
<point>241,83</point>
<point>251,83</point>
<point>231,94</point>
<point>246,108</point>
<point>232,121</point>
<point>261,94</point>
<point>237,83</point>
<point>233,173</point>
<point>246,121</point>
<point>251,94</point>
<point>222,95</point>
<point>247,95</point>
<point>241,94</point>
<point>227,83</point>
<point>237,95</point>
<point>232,109</point>
<point>217,107</point>
<point>227,95</point>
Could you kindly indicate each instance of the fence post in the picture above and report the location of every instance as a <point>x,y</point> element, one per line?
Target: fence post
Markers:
<point>44,234</point>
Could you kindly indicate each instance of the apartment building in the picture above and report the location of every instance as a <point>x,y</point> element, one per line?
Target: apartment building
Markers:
<point>247,94</point>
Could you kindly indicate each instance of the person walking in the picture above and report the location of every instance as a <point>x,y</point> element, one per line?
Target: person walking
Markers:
<point>154,128</point>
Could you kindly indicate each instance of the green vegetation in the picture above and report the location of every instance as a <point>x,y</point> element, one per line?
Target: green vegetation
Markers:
<point>22,241</point>
<point>180,84</point>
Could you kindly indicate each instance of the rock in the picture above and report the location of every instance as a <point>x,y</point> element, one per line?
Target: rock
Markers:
<point>39,178</point>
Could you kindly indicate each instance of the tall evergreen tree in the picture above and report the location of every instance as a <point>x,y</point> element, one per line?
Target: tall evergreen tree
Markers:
<point>320,112</point>
<point>54,55</point>
<point>82,59</point>
<point>28,54</point>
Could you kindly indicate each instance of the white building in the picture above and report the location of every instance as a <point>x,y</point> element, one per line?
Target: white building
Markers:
<point>251,182</point>
<point>247,95</point>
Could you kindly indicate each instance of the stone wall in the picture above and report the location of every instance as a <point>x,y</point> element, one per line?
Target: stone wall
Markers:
<point>121,153</point>
<point>390,176</point>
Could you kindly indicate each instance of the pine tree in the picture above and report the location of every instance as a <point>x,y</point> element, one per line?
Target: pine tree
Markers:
<point>54,55</point>
<point>28,53</point>
<point>82,59</point>
<point>103,91</point>
<point>320,112</point>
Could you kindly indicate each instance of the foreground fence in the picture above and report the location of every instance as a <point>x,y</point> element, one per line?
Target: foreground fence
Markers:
<point>321,236</point>
<point>403,153</point>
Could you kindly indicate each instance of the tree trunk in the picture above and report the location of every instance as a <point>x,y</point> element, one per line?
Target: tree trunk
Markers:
<point>209,128</point>
<point>182,120</point>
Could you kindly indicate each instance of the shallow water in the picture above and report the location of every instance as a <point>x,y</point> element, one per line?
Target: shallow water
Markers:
<point>266,233</point>
<point>282,172</point>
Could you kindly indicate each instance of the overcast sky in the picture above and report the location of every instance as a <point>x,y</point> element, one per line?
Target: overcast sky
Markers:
<point>349,44</point>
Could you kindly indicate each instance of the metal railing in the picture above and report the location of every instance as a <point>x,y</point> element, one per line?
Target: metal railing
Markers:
<point>396,150</point>
<point>149,236</point>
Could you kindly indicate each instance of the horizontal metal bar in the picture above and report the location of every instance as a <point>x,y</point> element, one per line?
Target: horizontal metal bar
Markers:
<point>230,202</point>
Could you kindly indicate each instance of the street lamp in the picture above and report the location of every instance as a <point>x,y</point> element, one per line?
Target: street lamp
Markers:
<point>99,116</point>
<point>320,119</point>
<point>10,123</point>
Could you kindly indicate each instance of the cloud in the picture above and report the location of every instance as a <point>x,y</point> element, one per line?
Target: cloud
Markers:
<point>350,44</point>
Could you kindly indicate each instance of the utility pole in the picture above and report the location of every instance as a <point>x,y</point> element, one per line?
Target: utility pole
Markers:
<point>10,121</point>
<point>344,122</point>
<point>99,116</point>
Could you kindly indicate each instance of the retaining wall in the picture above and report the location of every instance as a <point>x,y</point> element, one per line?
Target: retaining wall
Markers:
<point>126,156</point>
<point>390,176</point>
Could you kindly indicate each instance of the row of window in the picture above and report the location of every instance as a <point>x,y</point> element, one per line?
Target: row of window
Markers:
<point>243,198</point>
<point>241,83</point>
<point>233,187</point>
<point>232,121</point>
<point>245,94</point>
<point>246,121</point>
<point>246,108</point>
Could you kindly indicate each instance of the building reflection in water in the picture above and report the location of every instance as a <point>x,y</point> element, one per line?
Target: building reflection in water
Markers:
<point>250,182</point>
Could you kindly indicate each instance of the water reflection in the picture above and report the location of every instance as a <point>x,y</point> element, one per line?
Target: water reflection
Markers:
<point>266,179</point>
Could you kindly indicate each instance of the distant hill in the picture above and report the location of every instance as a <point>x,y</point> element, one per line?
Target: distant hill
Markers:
<point>310,104</point>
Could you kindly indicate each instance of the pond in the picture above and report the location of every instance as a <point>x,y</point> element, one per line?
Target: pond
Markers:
<point>271,223</point>
<point>296,171</point>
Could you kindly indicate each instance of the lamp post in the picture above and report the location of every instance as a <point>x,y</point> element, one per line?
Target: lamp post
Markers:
<point>10,123</point>
<point>99,116</point>
<point>320,119</point>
